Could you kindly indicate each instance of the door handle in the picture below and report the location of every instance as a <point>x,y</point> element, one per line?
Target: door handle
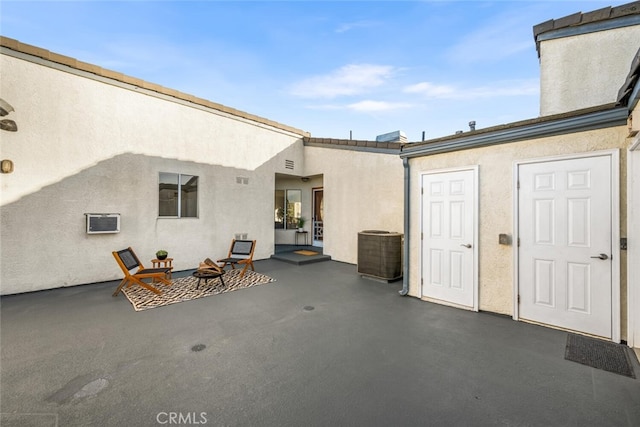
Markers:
<point>601,256</point>
<point>466,245</point>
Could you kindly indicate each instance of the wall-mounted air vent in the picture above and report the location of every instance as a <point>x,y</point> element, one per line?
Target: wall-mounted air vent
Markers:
<point>102,223</point>
<point>289,164</point>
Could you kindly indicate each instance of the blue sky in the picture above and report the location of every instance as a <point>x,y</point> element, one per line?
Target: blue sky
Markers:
<point>332,68</point>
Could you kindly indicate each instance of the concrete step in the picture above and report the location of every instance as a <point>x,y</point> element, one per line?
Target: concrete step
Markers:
<point>299,259</point>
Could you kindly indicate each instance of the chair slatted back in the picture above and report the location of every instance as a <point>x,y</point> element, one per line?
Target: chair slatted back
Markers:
<point>242,247</point>
<point>128,259</point>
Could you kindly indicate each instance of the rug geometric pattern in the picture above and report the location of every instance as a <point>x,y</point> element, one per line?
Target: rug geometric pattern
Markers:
<point>184,289</point>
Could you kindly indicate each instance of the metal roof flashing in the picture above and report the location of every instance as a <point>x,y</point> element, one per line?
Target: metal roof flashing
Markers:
<point>601,117</point>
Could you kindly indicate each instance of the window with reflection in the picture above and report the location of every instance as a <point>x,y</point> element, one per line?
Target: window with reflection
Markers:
<point>178,195</point>
<point>279,209</point>
<point>287,209</point>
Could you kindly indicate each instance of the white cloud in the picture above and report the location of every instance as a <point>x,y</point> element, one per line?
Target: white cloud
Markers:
<point>348,26</point>
<point>431,90</point>
<point>370,105</point>
<point>505,88</point>
<point>351,79</point>
<point>364,106</point>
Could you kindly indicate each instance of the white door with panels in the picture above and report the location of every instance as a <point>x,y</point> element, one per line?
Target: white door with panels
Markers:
<point>449,227</point>
<point>565,210</point>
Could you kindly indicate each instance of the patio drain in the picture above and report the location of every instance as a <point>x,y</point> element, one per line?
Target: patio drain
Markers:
<point>308,308</point>
<point>198,347</point>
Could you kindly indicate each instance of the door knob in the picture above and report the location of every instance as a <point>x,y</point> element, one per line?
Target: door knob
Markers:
<point>466,245</point>
<point>601,256</point>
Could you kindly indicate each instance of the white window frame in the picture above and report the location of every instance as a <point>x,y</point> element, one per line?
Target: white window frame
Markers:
<point>179,196</point>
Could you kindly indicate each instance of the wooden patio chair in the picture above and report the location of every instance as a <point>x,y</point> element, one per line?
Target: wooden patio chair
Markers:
<point>127,260</point>
<point>241,253</point>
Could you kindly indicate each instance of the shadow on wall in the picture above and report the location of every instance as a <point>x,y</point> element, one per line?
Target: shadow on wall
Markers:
<point>50,224</point>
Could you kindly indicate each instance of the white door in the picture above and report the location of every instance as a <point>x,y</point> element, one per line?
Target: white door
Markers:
<point>449,236</point>
<point>318,213</point>
<point>565,252</point>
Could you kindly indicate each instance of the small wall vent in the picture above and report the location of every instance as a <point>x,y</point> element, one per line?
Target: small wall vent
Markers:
<point>289,164</point>
<point>103,223</point>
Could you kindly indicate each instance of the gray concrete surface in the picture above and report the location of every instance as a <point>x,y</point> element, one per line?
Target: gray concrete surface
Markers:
<point>363,356</point>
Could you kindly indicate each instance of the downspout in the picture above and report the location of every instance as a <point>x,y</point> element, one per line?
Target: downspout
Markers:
<point>405,268</point>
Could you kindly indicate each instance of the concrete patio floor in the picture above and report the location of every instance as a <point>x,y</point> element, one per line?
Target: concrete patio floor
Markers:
<point>321,346</point>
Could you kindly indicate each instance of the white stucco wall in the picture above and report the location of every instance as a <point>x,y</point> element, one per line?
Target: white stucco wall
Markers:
<point>86,146</point>
<point>496,262</point>
<point>584,71</point>
<point>362,191</point>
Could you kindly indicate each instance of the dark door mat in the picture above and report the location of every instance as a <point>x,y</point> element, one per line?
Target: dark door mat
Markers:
<point>599,354</point>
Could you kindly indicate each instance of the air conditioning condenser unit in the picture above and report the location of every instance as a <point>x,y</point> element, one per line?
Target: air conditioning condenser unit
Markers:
<point>102,223</point>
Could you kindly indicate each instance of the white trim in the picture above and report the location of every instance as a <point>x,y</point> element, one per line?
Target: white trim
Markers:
<point>314,242</point>
<point>615,230</point>
<point>615,246</point>
<point>633,236</point>
<point>516,238</point>
<point>476,228</point>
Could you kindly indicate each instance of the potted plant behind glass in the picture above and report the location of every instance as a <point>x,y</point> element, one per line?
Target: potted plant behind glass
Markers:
<point>162,254</point>
<point>301,222</point>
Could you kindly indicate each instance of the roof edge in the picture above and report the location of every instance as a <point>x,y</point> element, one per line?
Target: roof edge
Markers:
<point>578,23</point>
<point>354,145</point>
<point>34,51</point>
<point>580,18</point>
<point>605,116</point>
<point>628,93</point>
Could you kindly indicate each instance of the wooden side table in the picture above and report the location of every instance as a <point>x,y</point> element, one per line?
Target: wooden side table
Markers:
<point>163,263</point>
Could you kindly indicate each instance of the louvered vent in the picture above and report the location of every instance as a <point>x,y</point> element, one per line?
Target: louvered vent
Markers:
<point>289,164</point>
<point>103,223</point>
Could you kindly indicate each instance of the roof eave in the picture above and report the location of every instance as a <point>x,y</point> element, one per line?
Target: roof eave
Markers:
<point>16,49</point>
<point>583,23</point>
<point>535,129</point>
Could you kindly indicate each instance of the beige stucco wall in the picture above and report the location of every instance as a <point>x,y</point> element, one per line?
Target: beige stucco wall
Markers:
<point>362,191</point>
<point>580,71</point>
<point>87,146</point>
<point>496,168</point>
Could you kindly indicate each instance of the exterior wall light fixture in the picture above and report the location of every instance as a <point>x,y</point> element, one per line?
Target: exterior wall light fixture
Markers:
<point>6,166</point>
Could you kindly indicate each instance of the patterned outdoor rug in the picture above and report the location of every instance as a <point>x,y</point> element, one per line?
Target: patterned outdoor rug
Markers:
<point>599,354</point>
<point>184,289</point>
